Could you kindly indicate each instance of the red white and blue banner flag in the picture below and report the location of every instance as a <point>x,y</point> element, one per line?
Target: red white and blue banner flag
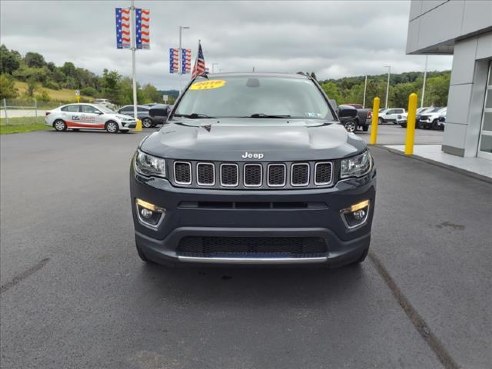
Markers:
<point>142,28</point>
<point>123,39</point>
<point>185,61</point>
<point>173,60</point>
<point>199,67</point>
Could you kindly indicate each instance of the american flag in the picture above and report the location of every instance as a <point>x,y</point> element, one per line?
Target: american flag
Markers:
<point>123,40</point>
<point>199,67</point>
<point>142,20</point>
<point>173,60</point>
<point>185,61</point>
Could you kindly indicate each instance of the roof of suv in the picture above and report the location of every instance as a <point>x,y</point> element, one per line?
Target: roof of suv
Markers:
<point>257,74</point>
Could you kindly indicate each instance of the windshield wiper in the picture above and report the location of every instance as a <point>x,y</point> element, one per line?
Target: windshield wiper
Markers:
<point>193,115</point>
<point>261,115</point>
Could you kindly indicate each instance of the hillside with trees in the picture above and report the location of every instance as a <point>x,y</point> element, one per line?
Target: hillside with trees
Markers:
<point>351,89</point>
<point>31,76</point>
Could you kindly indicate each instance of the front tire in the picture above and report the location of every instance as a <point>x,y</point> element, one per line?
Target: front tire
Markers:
<point>147,123</point>
<point>435,124</point>
<point>380,120</point>
<point>365,128</point>
<point>59,125</point>
<point>112,127</point>
<point>350,126</point>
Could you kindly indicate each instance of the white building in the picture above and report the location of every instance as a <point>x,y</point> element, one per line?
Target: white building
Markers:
<point>464,29</point>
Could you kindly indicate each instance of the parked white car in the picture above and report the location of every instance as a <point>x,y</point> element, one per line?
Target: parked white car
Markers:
<point>434,119</point>
<point>390,115</point>
<point>88,116</point>
<point>105,102</point>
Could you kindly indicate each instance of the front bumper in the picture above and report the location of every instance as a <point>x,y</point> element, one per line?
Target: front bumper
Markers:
<point>201,213</point>
<point>126,125</point>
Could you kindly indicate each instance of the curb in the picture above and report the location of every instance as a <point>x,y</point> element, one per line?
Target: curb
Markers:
<point>437,164</point>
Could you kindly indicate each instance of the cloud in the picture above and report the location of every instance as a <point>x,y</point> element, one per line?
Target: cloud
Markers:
<point>332,38</point>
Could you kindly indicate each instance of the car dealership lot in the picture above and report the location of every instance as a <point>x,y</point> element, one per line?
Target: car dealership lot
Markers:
<point>75,294</point>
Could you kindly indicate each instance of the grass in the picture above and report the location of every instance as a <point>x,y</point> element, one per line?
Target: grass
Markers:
<point>62,95</point>
<point>23,124</point>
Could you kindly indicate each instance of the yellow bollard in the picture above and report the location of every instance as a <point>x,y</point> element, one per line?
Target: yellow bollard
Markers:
<point>374,123</point>
<point>138,127</point>
<point>412,112</point>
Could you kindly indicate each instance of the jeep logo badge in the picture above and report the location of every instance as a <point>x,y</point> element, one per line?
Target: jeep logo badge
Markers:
<point>250,155</point>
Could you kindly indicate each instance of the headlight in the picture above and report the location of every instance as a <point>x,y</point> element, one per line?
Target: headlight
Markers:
<point>149,165</point>
<point>356,166</point>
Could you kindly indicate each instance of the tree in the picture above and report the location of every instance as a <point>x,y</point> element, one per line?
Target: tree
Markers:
<point>32,84</point>
<point>400,93</point>
<point>150,94</point>
<point>34,60</point>
<point>437,89</point>
<point>9,60</point>
<point>331,89</point>
<point>7,87</point>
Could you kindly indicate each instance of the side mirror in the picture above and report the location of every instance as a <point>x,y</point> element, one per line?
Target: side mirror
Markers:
<point>99,112</point>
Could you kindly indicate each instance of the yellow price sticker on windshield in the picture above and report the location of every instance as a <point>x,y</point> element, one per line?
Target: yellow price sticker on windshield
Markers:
<point>208,85</point>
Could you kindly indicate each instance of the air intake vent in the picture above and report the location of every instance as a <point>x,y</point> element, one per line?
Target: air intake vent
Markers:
<point>276,175</point>
<point>300,174</point>
<point>182,172</point>
<point>323,174</point>
<point>252,175</point>
<point>205,174</point>
<point>229,175</point>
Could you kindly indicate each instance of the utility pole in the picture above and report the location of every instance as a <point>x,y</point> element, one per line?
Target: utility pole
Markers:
<point>365,89</point>
<point>134,49</point>
<point>425,78</point>
<point>387,86</point>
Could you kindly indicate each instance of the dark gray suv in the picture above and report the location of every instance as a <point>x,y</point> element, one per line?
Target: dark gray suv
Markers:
<point>253,169</point>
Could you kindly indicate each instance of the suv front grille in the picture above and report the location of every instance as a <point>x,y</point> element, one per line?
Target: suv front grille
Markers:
<point>229,175</point>
<point>276,175</point>
<point>182,172</point>
<point>252,175</point>
<point>205,174</point>
<point>300,174</point>
<point>323,173</point>
<point>240,175</point>
<point>251,246</point>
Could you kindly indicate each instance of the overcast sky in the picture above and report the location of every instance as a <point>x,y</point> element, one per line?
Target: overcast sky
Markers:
<point>332,38</point>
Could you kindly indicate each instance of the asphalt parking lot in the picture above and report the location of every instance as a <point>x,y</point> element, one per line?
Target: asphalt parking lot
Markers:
<point>75,295</point>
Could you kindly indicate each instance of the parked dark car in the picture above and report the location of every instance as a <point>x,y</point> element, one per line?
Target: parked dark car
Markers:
<point>159,113</point>
<point>142,114</point>
<point>253,168</point>
<point>348,117</point>
<point>364,117</point>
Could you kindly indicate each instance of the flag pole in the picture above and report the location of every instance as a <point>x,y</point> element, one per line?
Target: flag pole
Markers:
<point>134,49</point>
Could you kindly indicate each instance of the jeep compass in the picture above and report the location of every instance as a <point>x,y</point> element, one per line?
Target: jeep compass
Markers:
<point>253,168</point>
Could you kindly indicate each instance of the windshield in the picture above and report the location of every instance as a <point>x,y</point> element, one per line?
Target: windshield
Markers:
<point>254,97</point>
<point>104,109</point>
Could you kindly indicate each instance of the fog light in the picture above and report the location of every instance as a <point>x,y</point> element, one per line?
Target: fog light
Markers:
<point>146,213</point>
<point>356,215</point>
<point>149,214</point>
<point>359,214</point>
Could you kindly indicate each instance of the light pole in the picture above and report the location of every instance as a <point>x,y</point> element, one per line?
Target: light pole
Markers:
<point>134,49</point>
<point>180,56</point>
<point>365,89</point>
<point>387,86</point>
<point>423,85</point>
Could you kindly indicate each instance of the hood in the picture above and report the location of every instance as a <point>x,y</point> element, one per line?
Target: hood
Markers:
<point>233,140</point>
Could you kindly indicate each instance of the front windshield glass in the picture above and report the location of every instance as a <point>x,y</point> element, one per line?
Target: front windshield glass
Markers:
<point>255,97</point>
<point>104,109</point>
